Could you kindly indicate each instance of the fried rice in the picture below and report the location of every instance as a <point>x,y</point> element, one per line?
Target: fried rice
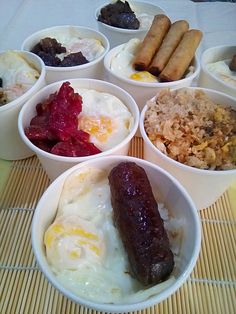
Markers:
<point>189,127</point>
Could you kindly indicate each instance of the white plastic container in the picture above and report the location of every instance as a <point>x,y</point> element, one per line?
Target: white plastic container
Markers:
<point>11,145</point>
<point>208,79</point>
<point>93,69</point>
<point>204,186</point>
<point>54,165</point>
<point>170,191</point>
<point>116,35</point>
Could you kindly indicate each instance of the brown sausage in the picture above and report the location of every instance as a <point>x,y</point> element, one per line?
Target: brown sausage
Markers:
<point>139,223</point>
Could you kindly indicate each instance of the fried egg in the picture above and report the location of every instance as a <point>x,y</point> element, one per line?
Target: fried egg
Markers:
<point>221,70</point>
<point>121,63</point>
<point>17,75</point>
<point>105,118</point>
<point>83,246</point>
<point>91,48</point>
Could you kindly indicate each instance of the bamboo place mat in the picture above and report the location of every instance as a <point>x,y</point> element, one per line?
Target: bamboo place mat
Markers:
<point>211,288</point>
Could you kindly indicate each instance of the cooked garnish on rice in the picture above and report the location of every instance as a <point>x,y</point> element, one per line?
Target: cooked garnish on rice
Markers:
<point>189,127</point>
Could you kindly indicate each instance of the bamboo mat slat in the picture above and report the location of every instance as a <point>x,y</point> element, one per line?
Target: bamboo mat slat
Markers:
<point>211,287</point>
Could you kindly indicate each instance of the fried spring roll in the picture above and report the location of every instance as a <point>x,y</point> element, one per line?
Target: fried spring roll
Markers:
<point>170,42</point>
<point>182,56</point>
<point>152,41</point>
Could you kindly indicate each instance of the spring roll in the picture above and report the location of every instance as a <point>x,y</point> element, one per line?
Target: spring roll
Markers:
<point>182,56</point>
<point>152,41</point>
<point>170,42</point>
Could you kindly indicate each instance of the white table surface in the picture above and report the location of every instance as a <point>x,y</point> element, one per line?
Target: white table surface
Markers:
<point>20,18</point>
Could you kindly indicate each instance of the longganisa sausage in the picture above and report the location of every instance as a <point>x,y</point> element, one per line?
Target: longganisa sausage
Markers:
<point>139,224</point>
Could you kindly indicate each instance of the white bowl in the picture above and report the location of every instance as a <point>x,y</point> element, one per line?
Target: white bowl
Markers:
<point>204,186</point>
<point>141,91</point>
<point>170,191</point>
<point>209,80</point>
<point>117,36</point>
<point>54,164</point>
<point>93,69</point>
<point>11,145</point>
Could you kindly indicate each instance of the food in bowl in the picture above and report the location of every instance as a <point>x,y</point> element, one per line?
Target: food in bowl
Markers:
<point>189,127</point>
<point>80,123</point>
<point>72,51</point>
<point>68,49</point>
<point>17,76</point>
<point>84,247</point>
<point>232,64</point>
<point>225,70</point>
<point>120,14</point>
<point>121,64</point>
<point>180,217</point>
<point>216,72</point>
<point>171,44</point>
<point>165,54</point>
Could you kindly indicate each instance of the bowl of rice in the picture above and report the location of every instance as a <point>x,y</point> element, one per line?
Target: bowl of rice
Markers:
<point>74,220</point>
<point>191,132</point>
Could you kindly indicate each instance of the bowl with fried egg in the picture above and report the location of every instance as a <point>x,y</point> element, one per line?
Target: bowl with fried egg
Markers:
<point>79,249</point>
<point>191,132</point>
<point>142,85</point>
<point>218,69</point>
<point>69,51</point>
<point>68,122</point>
<point>22,74</point>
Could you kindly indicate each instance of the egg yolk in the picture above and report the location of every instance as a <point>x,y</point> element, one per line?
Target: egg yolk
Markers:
<point>100,127</point>
<point>86,240</point>
<point>143,76</point>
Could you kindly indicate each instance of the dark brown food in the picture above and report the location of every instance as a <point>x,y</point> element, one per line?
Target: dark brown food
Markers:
<point>140,225</point>
<point>48,45</point>
<point>3,97</point>
<point>232,65</point>
<point>72,59</point>
<point>119,14</point>
<point>48,49</point>
<point>50,60</point>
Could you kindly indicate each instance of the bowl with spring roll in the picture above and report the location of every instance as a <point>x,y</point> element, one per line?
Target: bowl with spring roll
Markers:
<point>68,122</point>
<point>116,234</point>
<point>218,69</point>
<point>164,59</point>
<point>120,21</point>
<point>69,51</point>
<point>191,132</point>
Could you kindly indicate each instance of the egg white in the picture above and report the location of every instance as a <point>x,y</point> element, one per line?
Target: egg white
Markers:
<point>122,63</point>
<point>221,70</point>
<point>105,118</point>
<point>91,48</point>
<point>85,204</point>
<point>17,74</point>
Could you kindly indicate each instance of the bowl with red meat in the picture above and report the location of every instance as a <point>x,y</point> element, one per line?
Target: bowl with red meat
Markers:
<point>69,51</point>
<point>116,234</point>
<point>68,122</point>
